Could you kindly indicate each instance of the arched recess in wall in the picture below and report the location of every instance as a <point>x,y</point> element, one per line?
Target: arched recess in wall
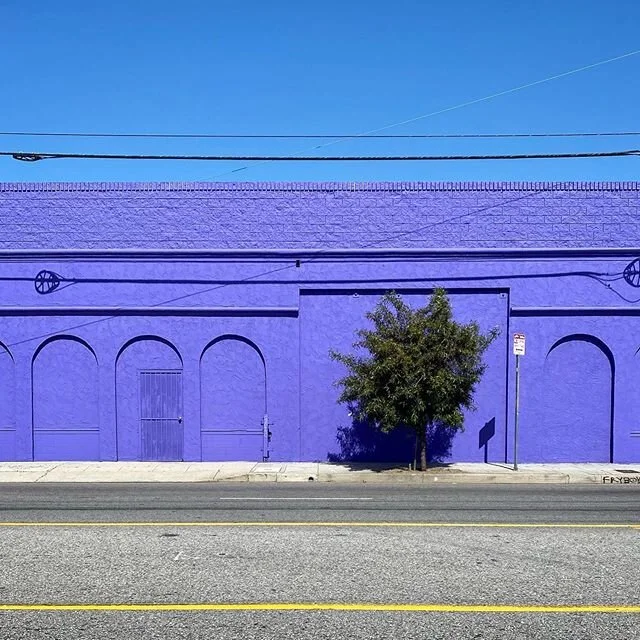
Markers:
<point>149,400</point>
<point>576,403</point>
<point>233,399</point>
<point>7,405</point>
<point>65,400</point>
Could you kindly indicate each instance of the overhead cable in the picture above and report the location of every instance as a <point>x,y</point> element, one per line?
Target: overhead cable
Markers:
<point>455,107</point>
<point>31,156</point>
<point>322,136</point>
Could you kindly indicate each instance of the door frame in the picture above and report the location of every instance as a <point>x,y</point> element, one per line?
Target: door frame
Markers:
<point>180,416</point>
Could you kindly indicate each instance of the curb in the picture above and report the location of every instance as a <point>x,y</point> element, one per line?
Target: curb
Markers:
<point>460,478</point>
<point>309,473</point>
<point>418,478</point>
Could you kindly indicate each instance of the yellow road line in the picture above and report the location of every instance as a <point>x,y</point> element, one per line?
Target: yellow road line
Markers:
<point>426,525</point>
<point>330,606</point>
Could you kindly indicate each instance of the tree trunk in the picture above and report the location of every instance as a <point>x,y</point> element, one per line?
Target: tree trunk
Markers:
<point>422,447</point>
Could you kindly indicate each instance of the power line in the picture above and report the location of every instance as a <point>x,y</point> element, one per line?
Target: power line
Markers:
<point>323,136</point>
<point>63,282</point>
<point>30,156</point>
<point>455,107</point>
<point>512,90</point>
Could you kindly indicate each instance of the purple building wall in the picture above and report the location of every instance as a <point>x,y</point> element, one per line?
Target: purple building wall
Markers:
<point>194,321</point>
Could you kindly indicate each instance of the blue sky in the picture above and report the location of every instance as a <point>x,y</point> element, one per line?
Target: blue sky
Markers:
<point>336,66</point>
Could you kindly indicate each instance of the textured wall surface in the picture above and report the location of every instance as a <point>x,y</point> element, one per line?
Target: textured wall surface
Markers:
<point>243,289</point>
<point>250,215</point>
<point>233,400</point>
<point>577,410</point>
<point>65,401</point>
<point>7,405</point>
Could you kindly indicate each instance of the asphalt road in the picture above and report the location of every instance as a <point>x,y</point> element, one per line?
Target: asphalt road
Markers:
<point>218,546</point>
<point>320,501</point>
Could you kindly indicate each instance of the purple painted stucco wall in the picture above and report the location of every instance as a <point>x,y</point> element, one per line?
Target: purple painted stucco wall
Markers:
<point>244,288</point>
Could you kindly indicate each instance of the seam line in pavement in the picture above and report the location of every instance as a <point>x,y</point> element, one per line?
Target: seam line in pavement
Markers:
<point>286,606</point>
<point>425,525</point>
<point>46,473</point>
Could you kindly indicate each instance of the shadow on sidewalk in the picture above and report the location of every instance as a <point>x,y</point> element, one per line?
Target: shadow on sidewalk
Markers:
<point>362,446</point>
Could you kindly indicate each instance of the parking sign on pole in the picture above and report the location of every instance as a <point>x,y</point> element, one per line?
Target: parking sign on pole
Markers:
<point>519,349</point>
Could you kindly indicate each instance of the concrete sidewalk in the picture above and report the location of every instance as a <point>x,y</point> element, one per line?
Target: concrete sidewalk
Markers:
<point>457,473</point>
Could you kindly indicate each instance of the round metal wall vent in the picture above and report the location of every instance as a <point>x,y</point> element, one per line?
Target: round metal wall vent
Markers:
<point>631,273</point>
<point>46,282</point>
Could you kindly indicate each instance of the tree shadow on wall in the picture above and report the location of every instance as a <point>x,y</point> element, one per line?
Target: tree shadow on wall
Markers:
<point>362,444</point>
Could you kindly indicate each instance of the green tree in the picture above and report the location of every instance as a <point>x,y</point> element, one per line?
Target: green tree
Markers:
<point>420,367</point>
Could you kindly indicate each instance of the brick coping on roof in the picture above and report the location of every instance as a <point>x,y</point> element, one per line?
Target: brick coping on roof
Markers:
<point>392,187</point>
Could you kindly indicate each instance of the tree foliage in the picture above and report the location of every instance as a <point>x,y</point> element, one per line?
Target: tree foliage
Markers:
<point>414,367</point>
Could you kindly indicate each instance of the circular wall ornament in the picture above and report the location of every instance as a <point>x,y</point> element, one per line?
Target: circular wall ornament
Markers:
<point>46,282</point>
<point>631,273</point>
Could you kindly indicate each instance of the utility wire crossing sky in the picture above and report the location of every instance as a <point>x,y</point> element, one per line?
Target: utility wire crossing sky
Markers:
<point>30,156</point>
<point>278,73</point>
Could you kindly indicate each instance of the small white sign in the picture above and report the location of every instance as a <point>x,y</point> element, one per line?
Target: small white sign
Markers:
<point>518,344</point>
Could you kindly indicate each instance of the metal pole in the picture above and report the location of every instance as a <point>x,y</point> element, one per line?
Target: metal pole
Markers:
<point>515,428</point>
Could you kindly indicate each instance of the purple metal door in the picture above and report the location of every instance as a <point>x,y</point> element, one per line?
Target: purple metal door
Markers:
<point>161,428</point>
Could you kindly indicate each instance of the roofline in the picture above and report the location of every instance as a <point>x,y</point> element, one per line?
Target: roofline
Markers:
<point>117,187</point>
<point>315,255</point>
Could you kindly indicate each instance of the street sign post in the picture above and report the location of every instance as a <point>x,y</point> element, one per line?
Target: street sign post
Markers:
<point>519,349</point>
<point>519,344</point>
